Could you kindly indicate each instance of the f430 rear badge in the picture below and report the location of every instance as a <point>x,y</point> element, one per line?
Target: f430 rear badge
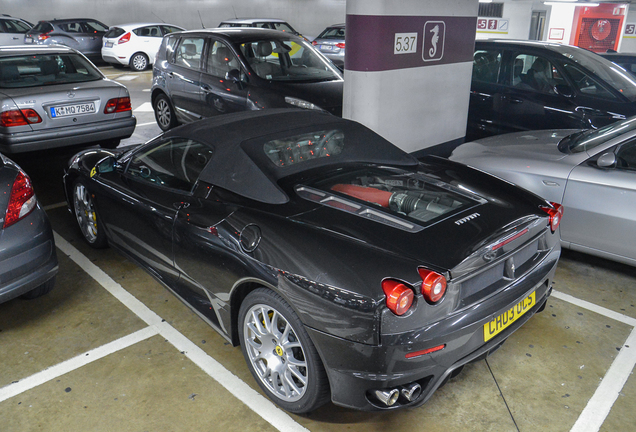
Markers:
<point>467,218</point>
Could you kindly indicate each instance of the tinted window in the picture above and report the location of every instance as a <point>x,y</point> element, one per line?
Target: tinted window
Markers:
<point>13,26</point>
<point>114,32</point>
<point>332,33</point>
<point>626,156</point>
<point>188,53</point>
<point>308,146</point>
<point>221,60</point>
<point>535,73</point>
<point>170,29</point>
<point>42,27</point>
<point>282,27</point>
<point>587,85</point>
<point>486,65</point>
<point>39,70</point>
<point>175,164</point>
<point>95,27</point>
<point>149,31</point>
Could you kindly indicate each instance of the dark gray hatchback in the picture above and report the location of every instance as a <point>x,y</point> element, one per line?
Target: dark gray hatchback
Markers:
<point>205,73</point>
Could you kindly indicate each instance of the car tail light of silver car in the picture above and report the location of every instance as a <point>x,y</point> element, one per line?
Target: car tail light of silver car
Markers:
<point>556,214</point>
<point>433,285</point>
<point>22,200</point>
<point>117,105</point>
<point>44,36</point>
<point>19,117</point>
<point>125,38</point>
<point>399,297</point>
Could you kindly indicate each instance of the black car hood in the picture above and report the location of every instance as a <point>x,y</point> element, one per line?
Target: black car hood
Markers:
<point>504,209</point>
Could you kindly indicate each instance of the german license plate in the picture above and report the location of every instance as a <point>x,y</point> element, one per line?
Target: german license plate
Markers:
<point>108,44</point>
<point>504,320</point>
<point>70,110</point>
<point>326,47</point>
<point>28,40</point>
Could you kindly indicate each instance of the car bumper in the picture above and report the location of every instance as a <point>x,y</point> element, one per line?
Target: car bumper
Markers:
<point>365,368</point>
<point>26,264</point>
<point>111,55</point>
<point>53,138</point>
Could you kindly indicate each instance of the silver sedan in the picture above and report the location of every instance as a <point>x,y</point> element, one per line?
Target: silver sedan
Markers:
<point>592,173</point>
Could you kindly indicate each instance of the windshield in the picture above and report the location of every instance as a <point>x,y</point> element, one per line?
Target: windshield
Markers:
<point>588,139</point>
<point>45,69</point>
<point>611,73</point>
<point>287,60</point>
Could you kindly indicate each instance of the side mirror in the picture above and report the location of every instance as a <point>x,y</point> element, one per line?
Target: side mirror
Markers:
<point>236,77</point>
<point>106,165</point>
<point>564,90</point>
<point>606,160</point>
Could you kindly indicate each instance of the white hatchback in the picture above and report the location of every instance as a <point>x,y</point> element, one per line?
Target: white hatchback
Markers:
<point>136,44</point>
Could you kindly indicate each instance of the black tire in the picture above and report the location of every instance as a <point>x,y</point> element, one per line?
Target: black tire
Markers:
<point>89,222</point>
<point>139,62</point>
<point>110,144</point>
<point>40,290</point>
<point>282,358</point>
<point>164,113</point>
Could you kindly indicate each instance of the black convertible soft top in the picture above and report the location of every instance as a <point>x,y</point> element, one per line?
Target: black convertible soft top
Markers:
<point>241,165</point>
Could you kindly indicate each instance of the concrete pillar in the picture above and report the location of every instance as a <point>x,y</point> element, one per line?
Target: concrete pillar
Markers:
<point>408,70</point>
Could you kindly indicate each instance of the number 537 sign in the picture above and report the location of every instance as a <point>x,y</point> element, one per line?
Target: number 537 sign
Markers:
<point>405,43</point>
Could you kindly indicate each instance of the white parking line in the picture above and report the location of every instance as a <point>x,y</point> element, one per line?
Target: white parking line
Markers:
<point>144,107</point>
<point>126,77</point>
<point>600,404</point>
<point>243,392</point>
<point>77,362</point>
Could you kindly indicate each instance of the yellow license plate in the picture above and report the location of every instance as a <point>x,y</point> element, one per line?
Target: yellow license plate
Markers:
<point>504,320</point>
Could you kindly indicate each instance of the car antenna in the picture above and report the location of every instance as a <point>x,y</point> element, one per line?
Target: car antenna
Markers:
<point>158,17</point>
<point>234,10</point>
<point>200,19</point>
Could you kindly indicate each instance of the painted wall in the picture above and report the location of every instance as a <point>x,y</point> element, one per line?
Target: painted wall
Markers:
<point>518,15</point>
<point>309,17</point>
<point>628,43</point>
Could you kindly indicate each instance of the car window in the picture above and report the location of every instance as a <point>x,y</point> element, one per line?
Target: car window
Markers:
<point>169,29</point>
<point>221,60</point>
<point>175,164</point>
<point>287,60</point>
<point>71,27</point>
<point>148,31</point>
<point>13,26</point>
<point>626,156</point>
<point>42,27</point>
<point>45,69</point>
<point>308,146</point>
<point>486,65</point>
<point>188,52</point>
<point>94,27</point>
<point>282,27</point>
<point>114,32</point>
<point>587,85</point>
<point>332,33</point>
<point>534,73</point>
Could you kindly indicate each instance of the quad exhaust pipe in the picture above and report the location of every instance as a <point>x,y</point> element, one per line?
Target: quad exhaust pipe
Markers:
<point>389,397</point>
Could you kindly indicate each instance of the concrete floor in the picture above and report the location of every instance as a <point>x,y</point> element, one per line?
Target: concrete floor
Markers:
<point>111,349</point>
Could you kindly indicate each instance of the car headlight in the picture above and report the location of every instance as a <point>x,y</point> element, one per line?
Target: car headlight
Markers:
<point>302,103</point>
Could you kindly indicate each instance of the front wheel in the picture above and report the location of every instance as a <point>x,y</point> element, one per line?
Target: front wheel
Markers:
<point>164,114</point>
<point>86,216</point>
<point>280,354</point>
<point>40,290</point>
<point>139,62</point>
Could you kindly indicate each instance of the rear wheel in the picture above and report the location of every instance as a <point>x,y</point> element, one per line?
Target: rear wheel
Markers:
<point>39,291</point>
<point>280,354</point>
<point>139,62</point>
<point>86,216</point>
<point>164,113</point>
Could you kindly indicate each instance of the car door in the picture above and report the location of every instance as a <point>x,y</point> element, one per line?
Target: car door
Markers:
<point>220,93</point>
<point>92,34</point>
<point>183,81</point>
<point>149,40</point>
<point>484,92</point>
<point>530,100</point>
<point>12,31</point>
<point>139,205</point>
<point>600,203</point>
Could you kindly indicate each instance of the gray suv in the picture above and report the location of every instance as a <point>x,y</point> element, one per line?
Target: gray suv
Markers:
<point>204,73</point>
<point>83,34</point>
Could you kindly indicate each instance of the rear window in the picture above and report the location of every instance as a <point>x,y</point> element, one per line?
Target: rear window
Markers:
<point>398,197</point>
<point>304,147</point>
<point>43,70</point>
<point>332,33</point>
<point>42,27</point>
<point>114,32</point>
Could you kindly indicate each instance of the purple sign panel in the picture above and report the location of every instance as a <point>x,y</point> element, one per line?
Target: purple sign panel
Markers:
<point>380,43</point>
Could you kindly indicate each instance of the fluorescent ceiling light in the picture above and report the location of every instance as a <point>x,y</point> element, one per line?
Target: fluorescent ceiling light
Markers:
<point>485,1</point>
<point>569,2</point>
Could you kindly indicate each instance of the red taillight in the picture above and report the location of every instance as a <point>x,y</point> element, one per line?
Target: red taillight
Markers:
<point>424,352</point>
<point>117,105</point>
<point>433,285</point>
<point>399,297</point>
<point>556,214</point>
<point>19,117</point>
<point>314,43</point>
<point>21,201</point>
<point>340,45</point>
<point>44,36</point>
<point>125,38</point>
